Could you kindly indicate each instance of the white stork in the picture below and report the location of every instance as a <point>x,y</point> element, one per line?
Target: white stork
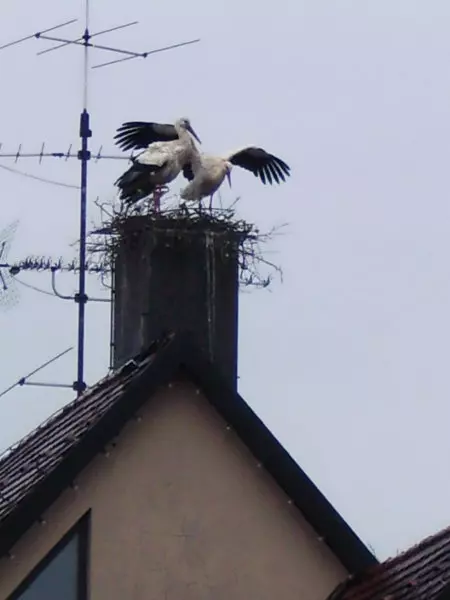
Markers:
<point>206,172</point>
<point>167,148</point>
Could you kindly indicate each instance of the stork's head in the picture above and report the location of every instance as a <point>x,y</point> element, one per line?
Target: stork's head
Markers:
<point>185,124</point>
<point>228,168</point>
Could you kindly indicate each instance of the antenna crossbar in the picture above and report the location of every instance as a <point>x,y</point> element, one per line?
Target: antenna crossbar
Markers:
<point>92,35</point>
<point>65,155</point>
<point>81,41</point>
<point>37,34</point>
<point>53,385</point>
<point>41,264</point>
<point>23,380</point>
<point>146,54</point>
<point>77,42</point>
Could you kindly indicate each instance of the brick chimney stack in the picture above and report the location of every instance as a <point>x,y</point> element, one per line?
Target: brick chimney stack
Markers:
<point>177,275</point>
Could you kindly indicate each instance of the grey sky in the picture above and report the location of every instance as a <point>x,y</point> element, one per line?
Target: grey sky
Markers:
<point>347,361</point>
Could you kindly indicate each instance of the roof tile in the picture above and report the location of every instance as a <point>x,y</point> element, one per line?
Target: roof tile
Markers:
<point>25,465</point>
<point>420,573</point>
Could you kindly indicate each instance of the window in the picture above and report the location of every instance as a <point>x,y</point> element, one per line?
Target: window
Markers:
<point>62,574</point>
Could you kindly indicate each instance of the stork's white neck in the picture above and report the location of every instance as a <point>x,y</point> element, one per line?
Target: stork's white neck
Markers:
<point>182,132</point>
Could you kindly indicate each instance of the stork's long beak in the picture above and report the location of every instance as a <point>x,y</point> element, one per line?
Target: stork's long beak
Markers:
<point>194,134</point>
<point>229,178</point>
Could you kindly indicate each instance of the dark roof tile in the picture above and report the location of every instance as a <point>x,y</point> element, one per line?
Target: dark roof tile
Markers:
<point>420,573</point>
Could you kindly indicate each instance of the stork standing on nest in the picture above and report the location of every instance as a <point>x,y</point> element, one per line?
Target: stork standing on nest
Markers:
<point>206,172</point>
<point>167,148</point>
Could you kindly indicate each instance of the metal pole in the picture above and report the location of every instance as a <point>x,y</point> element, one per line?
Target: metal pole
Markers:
<point>84,156</point>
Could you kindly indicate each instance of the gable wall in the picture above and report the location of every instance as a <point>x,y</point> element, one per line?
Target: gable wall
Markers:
<point>180,510</point>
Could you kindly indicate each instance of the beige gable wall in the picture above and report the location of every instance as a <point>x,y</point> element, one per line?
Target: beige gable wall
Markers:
<point>181,511</point>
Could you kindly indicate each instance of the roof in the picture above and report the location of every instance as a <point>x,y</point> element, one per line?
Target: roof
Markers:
<point>36,471</point>
<point>420,573</point>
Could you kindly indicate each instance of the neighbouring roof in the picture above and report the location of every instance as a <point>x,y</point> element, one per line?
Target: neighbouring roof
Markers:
<point>40,467</point>
<point>420,573</point>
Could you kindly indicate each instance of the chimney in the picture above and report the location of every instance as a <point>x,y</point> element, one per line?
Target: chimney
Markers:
<point>177,275</point>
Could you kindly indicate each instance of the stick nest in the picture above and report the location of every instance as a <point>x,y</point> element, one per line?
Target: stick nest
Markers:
<point>181,220</point>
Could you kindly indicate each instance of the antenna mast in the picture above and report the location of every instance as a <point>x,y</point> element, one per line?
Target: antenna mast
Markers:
<point>84,154</point>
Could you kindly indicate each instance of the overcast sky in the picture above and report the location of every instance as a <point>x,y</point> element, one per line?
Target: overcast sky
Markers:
<point>347,360</point>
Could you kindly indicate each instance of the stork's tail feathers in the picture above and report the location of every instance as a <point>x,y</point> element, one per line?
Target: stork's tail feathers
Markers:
<point>132,196</point>
<point>136,172</point>
<point>134,184</point>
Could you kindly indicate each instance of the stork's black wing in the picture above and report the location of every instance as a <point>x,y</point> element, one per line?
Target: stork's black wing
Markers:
<point>135,135</point>
<point>266,166</point>
<point>188,172</point>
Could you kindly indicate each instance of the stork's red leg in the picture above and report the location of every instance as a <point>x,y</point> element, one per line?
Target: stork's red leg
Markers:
<point>157,198</point>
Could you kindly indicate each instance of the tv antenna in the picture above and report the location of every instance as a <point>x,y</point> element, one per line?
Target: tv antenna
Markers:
<point>8,292</point>
<point>84,154</point>
<point>9,270</point>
